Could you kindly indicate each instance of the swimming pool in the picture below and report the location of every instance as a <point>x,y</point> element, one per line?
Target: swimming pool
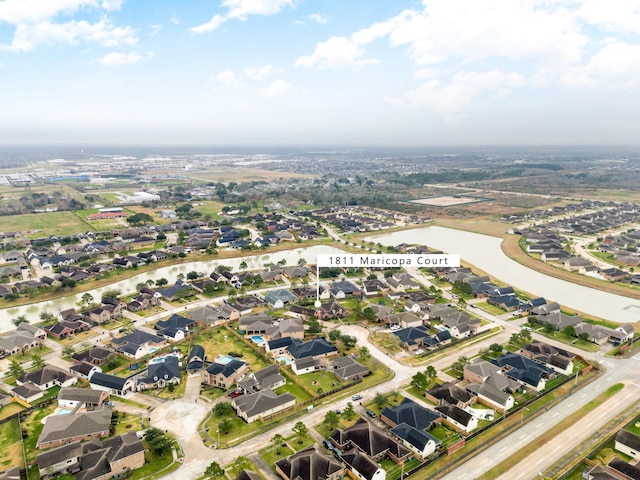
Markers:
<point>284,359</point>
<point>63,411</point>
<point>257,339</point>
<point>223,359</point>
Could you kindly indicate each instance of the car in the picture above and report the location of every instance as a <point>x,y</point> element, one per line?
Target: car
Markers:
<point>338,411</point>
<point>473,306</point>
<point>356,397</point>
<point>419,351</point>
<point>327,444</point>
<point>371,413</point>
<point>394,327</point>
<point>236,393</point>
<point>235,354</point>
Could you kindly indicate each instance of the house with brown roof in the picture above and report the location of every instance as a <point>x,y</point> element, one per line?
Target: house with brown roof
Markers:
<point>370,440</point>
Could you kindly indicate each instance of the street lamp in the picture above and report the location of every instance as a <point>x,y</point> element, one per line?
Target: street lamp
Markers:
<point>218,444</point>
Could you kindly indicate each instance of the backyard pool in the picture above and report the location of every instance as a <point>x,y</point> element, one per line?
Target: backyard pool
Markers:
<point>257,339</point>
<point>223,359</point>
<point>284,359</point>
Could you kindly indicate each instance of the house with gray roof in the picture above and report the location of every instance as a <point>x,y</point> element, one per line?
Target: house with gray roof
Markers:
<point>526,371</point>
<point>370,440</point>
<point>457,417</point>
<point>214,314</point>
<point>310,464</point>
<point>72,397</point>
<point>410,413</point>
<point>196,359</point>
<point>419,441</point>
<point>285,327</point>
<point>279,298</point>
<point>138,343</point>
<point>22,339</point>
<point>93,460</point>
<point>47,377</point>
<point>160,374</point>
<point>223,375</point>
<point>111,383</point>
<point>267,378</point>
<point>316,348</point>
<point>362,466</point>
<point>347,368</point>
<point>628,443</point>
<point>66,428</point>
<point>559,359</point>
<point>255,324</point>
<point>261,404</point>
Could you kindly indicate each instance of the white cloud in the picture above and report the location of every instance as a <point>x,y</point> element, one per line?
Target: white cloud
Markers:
<point>452,97</point>
<point>174,20</point>
<point>616,64</point>
<point>34,25</point>
<point>117,58</point>
<point>229,79</point>
<point>155,29</point>
<point>260,73</point>
<point>319,18</point>
<point>33,11</point>
<point>336,53</point>
<point>277,88</point>
<point>27,37</point>
<point>240,9</point>
<point>621,15</point>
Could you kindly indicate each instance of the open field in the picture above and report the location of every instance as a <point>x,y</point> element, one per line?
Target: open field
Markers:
<point>243,174</point>
<point>41,224</point>
<point>448,201</point>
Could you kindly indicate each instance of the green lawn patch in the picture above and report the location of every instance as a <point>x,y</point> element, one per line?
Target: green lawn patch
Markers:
<point>271,455</point>
<point>10,409</point>
<point>241,463</point>
<point>153,464</point>
<point>10,446</point>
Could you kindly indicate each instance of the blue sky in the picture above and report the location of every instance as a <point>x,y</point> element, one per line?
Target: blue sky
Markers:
<point>316,72</point>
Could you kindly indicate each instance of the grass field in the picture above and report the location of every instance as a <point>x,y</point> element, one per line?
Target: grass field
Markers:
<point>44,224</point>
<point>10,447</point>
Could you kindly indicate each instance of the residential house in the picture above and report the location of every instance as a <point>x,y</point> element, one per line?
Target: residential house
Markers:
<point>489,385</point>
<point>450,393</point>
<point>410,413</point>
<point>160,374</point>
<point>196,359</point>
<point>93,355</point>
<point>138,343</point>
<point>66,428</point>
<point>344,289</point>
<point>361,466</point>
<point>112,384</point>
<point>286,327</point>
<point>457,417</point>
<point>528,372</point>
<point>628,443</point>
<point>268,378</point>
<point>374,287</point>
<point>214,314</point>
<point>347,368</point>
<point>84,369</point>
<point>316,348</point>
<point>47,377</point>
<point>370,440</point>
<point>403,319</point>
<point>261,404</point>
<point>72,398</point>
<point>419,441</point>
<point>558,359</point>
<point>94,460</point>
<point>330,310</point>
<point>279,298</point>
<point>25,337</point>
<point>255,324</point>
<point>223,375</point>
<point>175,328</point>
<point>310,464</point>
<point>66,328</point>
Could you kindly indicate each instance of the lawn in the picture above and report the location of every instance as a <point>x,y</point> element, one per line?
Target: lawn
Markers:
<point>319,381</point>
<point>270,455</point>
<point>564,338</point>
<point>296,390</point>
<point>178,390</point>
<point>125,422</point>
<point>298,444</point>
<point>241,463</point>
<point>10,409</point>
<point>394,471</point>
<point>33,425</point>
<point>634,427</point>
<point>49,223</point>
<point>152,464</point>
<point>221,341</point>
<point>492,309</point>
<point>11,449</point>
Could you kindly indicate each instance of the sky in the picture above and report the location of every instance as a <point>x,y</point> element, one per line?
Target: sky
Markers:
<point>320,72</point>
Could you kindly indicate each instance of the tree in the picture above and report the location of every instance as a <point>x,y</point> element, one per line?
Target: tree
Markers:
<point>159,443</point>
<point>569,330</point>
<point>46,317</point>
<point>419,381</point>
<point>380,399</point>
<point>243,265</point>
<point>515,339</point>
<point>20,319</point>
<point>68,350</point>
<point>495,348</point>
<point>364,354</point>
<point>15,369</point>
<point>161,282</point>
<point>300,430</point>
<point>222,408</point>
<point>584,336</point>
<point>277,441</point>
<point>431,372</point>
<point>331,419</point>
<point>459,364</point>
<point>525,335</point>
<point>349,412</point>
<point>368,314</point>
<point>37,362</point>
<point>225,425</point>
<point>214,470</point>
<point>314,326</point>
<point>193,275</point>
<point>87,299</point>
<point>139,219</point>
